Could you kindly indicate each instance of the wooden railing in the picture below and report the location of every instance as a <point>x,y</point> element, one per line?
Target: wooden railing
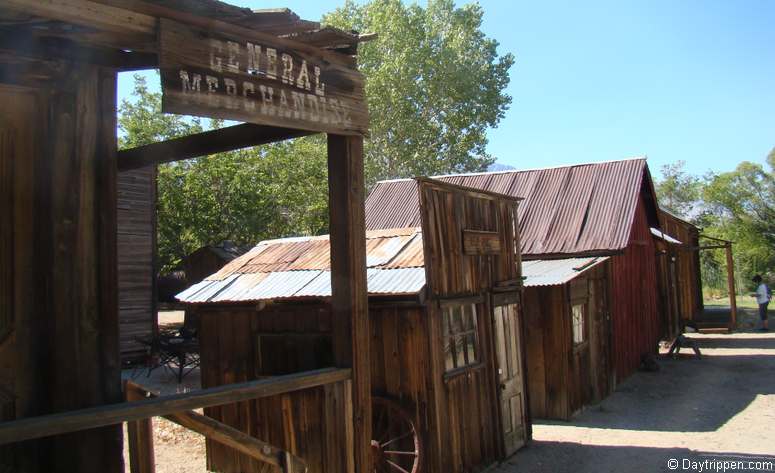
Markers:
<point>178,408</point>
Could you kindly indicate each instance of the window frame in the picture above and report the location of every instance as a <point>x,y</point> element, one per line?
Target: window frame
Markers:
<point>452,336</point>
<point>584,324</point>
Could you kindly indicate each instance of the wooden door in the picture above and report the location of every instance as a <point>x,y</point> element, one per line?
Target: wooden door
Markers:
<point>508,350</point>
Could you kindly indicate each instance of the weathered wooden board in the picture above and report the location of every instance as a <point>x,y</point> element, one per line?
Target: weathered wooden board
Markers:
<point>477,242</point>
<point>221,75</point>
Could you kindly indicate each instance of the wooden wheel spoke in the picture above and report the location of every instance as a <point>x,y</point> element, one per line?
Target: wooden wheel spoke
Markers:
<point>394,452</point>
<point>383,445</point>
<point>394,466</point>
<point>397,447</point>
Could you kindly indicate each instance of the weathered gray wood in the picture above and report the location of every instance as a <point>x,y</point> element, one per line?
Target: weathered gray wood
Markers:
<point>74,421</point>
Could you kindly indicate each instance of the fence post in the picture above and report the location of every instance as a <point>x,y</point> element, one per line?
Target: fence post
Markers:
<point>140,433</point>
<point>731,285</point>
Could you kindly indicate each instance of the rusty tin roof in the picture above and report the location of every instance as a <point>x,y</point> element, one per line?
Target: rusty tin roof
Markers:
<point>555,272</point>
<point>292,268</point>
<point>580,209</point>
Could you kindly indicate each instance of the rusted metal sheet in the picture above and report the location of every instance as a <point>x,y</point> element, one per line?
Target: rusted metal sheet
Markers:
<point>567,210</point>
<point>300,267</point>
<point>557,272</point>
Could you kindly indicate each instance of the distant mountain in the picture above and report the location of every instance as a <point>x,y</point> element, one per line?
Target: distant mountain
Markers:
<point>499,167</point>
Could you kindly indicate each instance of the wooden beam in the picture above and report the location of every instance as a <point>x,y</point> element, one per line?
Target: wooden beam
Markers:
<point>202,144</point>
<point>224,434</point>
<point>349,301</point>
<point>89,14</point>
<point>29,44</point>
<point>731,286</point>
<point>74,421</point>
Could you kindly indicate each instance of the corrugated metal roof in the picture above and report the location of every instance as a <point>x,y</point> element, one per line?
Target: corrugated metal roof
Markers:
<point>556,271</point>
<point>566,210</point>
<point>660,234</point>
<point>300,267</point>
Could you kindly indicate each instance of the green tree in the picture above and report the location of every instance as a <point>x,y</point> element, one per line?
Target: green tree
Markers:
<point>679,192</point>
<point>741,208</point>
<point>243,196</point>
<point>434,84</point>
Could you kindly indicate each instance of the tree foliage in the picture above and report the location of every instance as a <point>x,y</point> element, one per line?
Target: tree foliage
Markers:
<point>243,196</point>
<point>738,206</point>
<point>434,84</point>
<point>678,191</point>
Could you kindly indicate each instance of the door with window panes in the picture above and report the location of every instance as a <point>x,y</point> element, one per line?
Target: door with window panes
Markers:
<point>508,342</point>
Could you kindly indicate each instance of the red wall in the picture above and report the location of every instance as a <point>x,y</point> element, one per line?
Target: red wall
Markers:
<point>634,310</point>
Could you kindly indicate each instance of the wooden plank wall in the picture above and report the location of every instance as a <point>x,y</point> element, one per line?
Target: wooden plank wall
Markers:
<point>562,380</point>
<point>464,423</point>
<point>136,259</point>
<point>58,259</point>
<point>548,348</point>
<point>688,264</point>
<point>400,362</point>
<point>239,343</point>
<point>635,312</point>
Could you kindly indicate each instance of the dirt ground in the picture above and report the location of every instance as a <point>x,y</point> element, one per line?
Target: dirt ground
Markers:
<point>720,407</point>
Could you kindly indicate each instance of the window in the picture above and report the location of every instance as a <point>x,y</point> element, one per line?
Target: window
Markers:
<point>579,312</point>
<point>461,344</point>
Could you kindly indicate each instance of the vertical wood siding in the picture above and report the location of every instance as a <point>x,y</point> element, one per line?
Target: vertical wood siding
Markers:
<point>136,261</point>
<point>465,423</point>
<point>635,315</point>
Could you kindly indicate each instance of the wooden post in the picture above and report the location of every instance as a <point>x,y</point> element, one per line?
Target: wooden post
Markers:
<point>140,436</point>
<point>63,270</point>
<point>731,285</point>
<point>349,300</point>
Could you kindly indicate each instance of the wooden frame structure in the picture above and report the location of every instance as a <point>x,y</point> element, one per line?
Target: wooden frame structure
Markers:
<point>456,282</point>
<point>59,350</point>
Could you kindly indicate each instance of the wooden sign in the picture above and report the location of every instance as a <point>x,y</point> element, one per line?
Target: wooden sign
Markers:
<point>261,79</point>
<point>477,242</point>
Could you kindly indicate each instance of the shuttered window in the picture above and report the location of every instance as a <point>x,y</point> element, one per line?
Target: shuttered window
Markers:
<point>461,343</point>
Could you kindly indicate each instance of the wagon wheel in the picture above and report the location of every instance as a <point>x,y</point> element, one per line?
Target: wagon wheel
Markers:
<point>396,447</point>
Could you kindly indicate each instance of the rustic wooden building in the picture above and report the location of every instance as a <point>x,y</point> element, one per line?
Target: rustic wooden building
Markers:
<point>595,209</point>
<point>136,248</point>
<point>60,385</point>
<point>568,330</point>
<point>446,341</point>
<point>209,259</point>
<point>678,270</point>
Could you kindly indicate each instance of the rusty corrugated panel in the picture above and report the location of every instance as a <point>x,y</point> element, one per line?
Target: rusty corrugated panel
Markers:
<point>566,210</point>
<point>556,272</point>
<point>411,256</point>
<point>299,267</point>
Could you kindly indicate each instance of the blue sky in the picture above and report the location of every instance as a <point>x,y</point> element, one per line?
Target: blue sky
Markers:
<point>690,80</point>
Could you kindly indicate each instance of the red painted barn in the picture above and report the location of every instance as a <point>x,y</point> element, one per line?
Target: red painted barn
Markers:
<point>595,209</point>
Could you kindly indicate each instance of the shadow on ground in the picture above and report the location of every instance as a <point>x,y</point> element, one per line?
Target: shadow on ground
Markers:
<point>543,456</point>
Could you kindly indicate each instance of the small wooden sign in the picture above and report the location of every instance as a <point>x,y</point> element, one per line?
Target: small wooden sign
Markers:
<point>478,242</point>
<point>261,79</point>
